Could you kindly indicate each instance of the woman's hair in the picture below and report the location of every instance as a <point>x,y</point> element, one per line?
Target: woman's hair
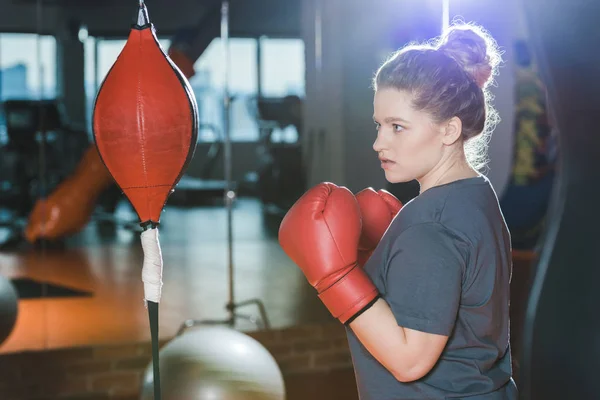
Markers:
<point>449,77</point>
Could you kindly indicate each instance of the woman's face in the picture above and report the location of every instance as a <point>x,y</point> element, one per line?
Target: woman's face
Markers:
<point>409,144</point>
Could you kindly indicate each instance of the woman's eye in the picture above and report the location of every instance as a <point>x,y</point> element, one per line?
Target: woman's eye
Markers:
<point>398,128</point>
<point>377,126</point>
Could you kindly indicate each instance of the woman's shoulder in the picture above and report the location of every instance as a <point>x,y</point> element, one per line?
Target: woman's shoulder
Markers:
<point>452,197</point>
<point>459,208</point>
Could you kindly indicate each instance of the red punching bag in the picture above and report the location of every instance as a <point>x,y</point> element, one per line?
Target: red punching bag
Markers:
<point>145,127</point>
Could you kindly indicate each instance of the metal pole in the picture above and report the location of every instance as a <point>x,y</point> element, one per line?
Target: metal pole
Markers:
<point>96,64</point>
<point>229,191</point>
<point>445,15</point>
<point>230,196</point>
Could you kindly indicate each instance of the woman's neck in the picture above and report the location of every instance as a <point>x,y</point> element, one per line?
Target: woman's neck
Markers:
<point>455,168</point>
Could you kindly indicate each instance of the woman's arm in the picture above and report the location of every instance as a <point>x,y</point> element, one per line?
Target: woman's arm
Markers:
<point>408,329</point>
<point>408,354</point>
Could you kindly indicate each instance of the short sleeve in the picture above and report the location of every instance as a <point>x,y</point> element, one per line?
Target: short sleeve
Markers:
<point>424,278</point>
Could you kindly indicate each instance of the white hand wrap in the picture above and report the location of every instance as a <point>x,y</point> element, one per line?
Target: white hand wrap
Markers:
<point>153,266</point>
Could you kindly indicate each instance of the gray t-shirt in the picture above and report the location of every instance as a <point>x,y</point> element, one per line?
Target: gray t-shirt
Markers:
<point>444,267</point>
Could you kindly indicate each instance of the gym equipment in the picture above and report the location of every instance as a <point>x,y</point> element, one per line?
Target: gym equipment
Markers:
<point>216,363</point>
<point>192,191</point>
<point>9,308</point>
<point>281,176</point>
<point>39,150</point>
<point>69,207</point>
<point>526,197</point>
<point>561,357</point>
<point>145,127</point>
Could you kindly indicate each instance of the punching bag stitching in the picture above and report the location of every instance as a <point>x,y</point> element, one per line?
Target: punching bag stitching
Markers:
<point>147,186</point>
<point>140,118</point>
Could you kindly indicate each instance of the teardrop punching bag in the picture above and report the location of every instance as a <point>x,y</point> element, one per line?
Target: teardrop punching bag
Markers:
<point>561,350</point>
<point>145,127</point>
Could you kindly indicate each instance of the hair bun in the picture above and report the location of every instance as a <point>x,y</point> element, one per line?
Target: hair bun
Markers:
<point>474,50</point>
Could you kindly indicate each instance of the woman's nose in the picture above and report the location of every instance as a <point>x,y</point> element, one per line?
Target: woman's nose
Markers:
<point>378,144</point>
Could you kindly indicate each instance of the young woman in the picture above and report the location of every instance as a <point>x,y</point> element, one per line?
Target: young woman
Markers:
<point>428,315</point>
<point>443,267</point>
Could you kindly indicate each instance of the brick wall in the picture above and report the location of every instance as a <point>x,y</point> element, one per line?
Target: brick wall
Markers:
<point>316,354</point>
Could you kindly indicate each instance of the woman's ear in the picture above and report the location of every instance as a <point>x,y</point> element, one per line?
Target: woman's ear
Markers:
<point>451,131</point>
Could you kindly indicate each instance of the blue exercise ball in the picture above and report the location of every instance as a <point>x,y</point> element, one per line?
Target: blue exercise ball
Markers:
<point>215,363</point>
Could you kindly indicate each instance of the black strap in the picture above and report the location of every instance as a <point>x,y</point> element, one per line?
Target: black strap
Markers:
<point>153,315</point>
<point>362,310</point>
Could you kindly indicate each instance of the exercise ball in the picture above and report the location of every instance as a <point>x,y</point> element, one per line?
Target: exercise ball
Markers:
<point>215,363</point>
<point>9,307</point>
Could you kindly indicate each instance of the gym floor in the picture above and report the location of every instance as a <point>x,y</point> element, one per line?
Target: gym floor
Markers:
<point>194,246</point>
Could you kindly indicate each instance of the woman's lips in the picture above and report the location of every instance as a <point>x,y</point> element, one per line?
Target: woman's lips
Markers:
<point>386,163</point>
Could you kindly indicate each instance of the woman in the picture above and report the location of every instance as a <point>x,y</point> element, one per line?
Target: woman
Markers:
<point>437,326</point>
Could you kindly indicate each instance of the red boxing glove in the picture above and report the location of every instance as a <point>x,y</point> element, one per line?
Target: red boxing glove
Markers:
<point>320,233</point>
<point>377,209</point>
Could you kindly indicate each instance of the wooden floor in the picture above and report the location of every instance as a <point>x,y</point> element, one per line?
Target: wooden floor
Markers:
<point>194,245</point>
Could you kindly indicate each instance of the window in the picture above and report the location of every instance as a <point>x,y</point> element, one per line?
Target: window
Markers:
<point>282,67</point>
<point>23,73</point>
<point>208,85</point>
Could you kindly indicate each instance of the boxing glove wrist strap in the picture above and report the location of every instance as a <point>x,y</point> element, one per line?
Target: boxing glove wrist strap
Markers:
<point>362,310</point>
<point>349,295</point>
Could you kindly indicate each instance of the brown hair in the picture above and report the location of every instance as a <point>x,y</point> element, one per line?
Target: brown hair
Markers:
<point>450,77</point>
